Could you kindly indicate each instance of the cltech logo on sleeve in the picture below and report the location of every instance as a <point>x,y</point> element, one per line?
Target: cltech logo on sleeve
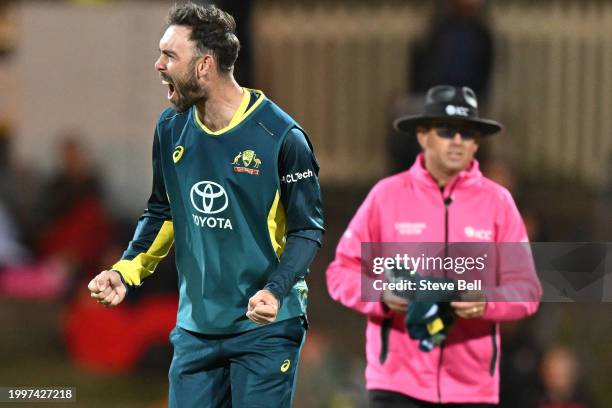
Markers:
<point>297,176</point>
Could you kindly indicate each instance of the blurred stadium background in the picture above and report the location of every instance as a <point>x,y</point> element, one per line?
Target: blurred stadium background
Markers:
<point>78,102</point>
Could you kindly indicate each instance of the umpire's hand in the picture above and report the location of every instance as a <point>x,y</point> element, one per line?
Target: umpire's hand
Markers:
<point>107,288</point>
<point>393,302</point>
<point>263,307</point>
<point>472,305</point>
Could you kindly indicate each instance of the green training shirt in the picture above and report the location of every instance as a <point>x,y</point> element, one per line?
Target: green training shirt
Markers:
<point>228,199</point>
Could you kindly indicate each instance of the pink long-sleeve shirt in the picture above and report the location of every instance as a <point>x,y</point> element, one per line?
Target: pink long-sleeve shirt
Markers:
<point>410,207</point>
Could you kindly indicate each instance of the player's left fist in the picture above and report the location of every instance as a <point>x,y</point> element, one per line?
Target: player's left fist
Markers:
<point>263,307</point>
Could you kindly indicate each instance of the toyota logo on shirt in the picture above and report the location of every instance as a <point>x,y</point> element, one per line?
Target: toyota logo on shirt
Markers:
<point>208,197</point>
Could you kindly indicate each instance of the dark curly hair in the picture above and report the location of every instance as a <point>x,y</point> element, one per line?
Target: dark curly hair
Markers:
<point>212,30</point>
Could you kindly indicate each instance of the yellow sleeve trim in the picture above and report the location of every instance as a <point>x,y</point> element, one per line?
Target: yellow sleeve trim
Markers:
<point>276,225</point>
<point>240,114</point>
<point>144,264</point>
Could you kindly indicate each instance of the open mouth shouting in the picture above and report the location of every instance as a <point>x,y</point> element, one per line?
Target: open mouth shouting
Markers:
<point>171,89</point>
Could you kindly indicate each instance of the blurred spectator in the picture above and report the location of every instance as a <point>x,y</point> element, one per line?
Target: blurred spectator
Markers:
<point>74,226</point>
<point>17,187</point>
<point>560,381</point>
<point>138,333</point>
<point>456,49</point>
<point>21,274</point>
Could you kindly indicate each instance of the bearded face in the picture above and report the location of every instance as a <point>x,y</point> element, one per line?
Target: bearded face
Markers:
<point>177,68</point>
<point>183,88</point>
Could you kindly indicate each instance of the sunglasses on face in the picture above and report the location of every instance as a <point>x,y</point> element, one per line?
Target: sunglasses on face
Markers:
<point>448,132</point>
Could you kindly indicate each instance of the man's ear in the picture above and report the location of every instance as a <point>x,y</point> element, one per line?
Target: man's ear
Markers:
<point>477,141</point>
<point>422,134</point>
<point>205,65</point>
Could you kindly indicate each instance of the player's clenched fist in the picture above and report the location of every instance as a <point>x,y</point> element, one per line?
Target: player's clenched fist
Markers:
<point>263,307</point>
<point>107,288</point>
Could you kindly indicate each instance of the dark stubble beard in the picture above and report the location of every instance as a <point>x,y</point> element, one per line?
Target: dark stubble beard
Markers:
<point>188,91</point>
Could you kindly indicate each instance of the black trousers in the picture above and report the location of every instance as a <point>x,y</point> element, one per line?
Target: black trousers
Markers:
<point>388,399</point>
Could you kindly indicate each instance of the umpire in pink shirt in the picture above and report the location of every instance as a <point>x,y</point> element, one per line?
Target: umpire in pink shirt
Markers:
<point>443,197</point>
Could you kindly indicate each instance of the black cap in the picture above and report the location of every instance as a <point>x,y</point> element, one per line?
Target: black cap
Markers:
<point>449,104</point>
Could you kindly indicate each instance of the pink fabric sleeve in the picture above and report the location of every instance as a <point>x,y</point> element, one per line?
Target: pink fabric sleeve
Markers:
<point>344,274</point>
<point>517,278</point>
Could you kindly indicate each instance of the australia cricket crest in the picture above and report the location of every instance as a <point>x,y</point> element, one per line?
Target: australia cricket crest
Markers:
<point>247,162</point>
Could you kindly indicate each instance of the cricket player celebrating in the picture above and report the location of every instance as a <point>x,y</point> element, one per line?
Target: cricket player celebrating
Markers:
<point>235,184</point>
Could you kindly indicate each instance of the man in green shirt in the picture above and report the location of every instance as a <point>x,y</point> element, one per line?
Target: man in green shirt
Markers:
<point>235,185</point>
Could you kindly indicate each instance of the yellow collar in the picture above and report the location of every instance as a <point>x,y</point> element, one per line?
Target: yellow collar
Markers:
<point>240,114</point>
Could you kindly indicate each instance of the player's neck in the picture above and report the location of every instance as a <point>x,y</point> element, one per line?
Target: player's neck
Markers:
<point>221,104</point>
